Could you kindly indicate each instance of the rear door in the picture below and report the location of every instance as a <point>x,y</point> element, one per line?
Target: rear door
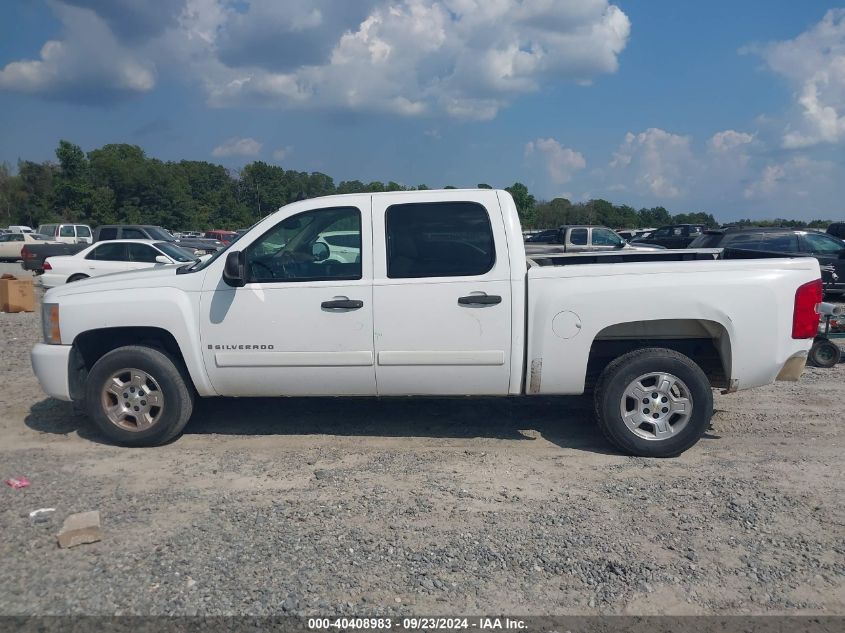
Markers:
<point>577,240</point>
<point>829,251</point>
<point>108,257</point>
<point>442,295</point>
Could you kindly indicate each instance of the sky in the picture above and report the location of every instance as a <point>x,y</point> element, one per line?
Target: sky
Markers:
<point>734,108</point>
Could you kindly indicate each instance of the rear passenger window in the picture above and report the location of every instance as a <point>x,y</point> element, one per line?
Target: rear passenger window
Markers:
<point>133,234</point>
<point>438,239</point>
<point>780,242</point>
<point>108,234</point>
<point>109,252</point>
<point>83,231</point>
<point>747,241</point>
<point>578,237</point>
<point>66,231</point>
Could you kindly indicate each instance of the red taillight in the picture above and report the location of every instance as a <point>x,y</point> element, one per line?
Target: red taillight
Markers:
<point>805,316</point>
<point>47,266</point>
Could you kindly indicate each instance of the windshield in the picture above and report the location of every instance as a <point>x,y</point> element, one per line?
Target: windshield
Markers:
<point>158,233</point>
<point>174,252</point>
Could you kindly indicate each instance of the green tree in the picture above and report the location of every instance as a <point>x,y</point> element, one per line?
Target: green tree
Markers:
<point>524,201</point>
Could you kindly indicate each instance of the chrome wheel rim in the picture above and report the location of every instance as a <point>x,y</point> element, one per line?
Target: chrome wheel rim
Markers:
<point>132,400</point>
<point>656,406</point>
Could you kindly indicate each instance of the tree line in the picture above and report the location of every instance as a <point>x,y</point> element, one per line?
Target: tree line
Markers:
<point>119,183</point>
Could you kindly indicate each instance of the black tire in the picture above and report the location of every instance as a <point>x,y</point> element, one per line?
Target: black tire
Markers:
<point>824,353</point>
<point>616,377</point>
<point>77,277</point>
<point>178,395</point>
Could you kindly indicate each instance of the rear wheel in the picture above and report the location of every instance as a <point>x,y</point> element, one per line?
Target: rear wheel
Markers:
<point>653,402</point>
<point>137,396</point>
<point>76,277</point>
<point>824,353</point>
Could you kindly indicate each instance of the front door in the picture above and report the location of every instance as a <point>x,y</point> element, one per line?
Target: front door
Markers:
<point>442,296</point>
<point>303,323</point>
<point>828,250</point>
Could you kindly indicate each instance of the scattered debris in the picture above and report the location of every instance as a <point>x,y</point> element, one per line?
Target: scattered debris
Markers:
<point>17,482</point>
<point>80,528</point>
<point>41,515</point>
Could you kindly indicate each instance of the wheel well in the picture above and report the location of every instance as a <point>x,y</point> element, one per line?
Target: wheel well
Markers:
<point>91,346</point>
<point>706,343</point>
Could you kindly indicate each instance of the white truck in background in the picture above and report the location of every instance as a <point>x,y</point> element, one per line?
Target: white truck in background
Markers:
<point>440,300</point>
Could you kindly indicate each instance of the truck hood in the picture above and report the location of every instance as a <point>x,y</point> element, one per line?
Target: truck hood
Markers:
<point>147,278</point>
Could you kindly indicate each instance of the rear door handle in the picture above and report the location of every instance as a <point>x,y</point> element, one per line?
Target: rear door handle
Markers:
<point>479,300</point>
<point>342,304</point>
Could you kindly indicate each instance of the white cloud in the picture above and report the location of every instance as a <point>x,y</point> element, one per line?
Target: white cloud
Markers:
<point>237,146</point>
<point>814,65</point>
<point>283,152</point>
<point>660,163</point>
<point>464,59</point>
<point>88,65</point>
<point>728,140</point>
<point>791,178</point>
<point>560,161</point>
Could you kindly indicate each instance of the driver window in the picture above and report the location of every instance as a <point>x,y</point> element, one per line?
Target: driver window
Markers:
<point>606,237</point>
<point>319,245</point>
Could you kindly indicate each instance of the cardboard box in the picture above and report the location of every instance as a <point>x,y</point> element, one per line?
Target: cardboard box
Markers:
<point>16,295</point>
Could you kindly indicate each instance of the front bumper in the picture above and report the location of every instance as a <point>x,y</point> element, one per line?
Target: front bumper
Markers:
<point>50,364</point>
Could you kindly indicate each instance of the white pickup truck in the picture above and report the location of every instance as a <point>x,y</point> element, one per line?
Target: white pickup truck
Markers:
<point>440,300</point>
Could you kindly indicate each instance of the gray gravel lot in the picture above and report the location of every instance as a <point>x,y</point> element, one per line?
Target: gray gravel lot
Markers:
<point>437,506</point>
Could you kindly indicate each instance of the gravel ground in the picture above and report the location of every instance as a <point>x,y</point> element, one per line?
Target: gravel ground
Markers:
<point>441,506</point>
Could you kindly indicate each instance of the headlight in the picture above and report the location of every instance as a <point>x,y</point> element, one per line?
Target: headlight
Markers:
<point>50,323</point>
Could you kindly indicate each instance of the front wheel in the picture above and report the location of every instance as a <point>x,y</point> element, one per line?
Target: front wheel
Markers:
<point>137,396</point>
<point>653,402</point>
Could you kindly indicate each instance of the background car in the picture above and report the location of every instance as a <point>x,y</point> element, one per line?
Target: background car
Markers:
<point>829,250</point>
<point>11,244</point>
<point>199,246</point>
<point>111,256</point>
<point>20,229</point>
<point>343,246</point>
<point>577,239</point>
<point>674,236</point>
<point>67,233</point>
<point>227,237</point>
<point>837,229</point>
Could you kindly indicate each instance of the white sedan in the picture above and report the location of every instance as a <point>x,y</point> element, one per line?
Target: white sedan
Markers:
<point>113,256</point>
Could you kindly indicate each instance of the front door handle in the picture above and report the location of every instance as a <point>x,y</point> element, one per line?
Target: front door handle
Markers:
<point>479,300</point>
<point>342,304</point>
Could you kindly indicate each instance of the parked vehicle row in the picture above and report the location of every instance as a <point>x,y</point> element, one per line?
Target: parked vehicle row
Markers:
<point>828,250</point>
<point>433,296</point>
<point>34,256</point>
<point>11,244</point>
<point>577,239</point>
<point>113,256</point>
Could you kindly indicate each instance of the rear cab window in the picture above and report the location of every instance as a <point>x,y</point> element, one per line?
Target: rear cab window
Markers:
<point>438,239</point>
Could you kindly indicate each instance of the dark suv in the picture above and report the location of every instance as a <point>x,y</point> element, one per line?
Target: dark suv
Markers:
<point>675,236</point>
<point>829,250</point>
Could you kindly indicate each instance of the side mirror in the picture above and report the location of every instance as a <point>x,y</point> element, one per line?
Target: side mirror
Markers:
<point>319,251</point>
<point>234,271</point>
<point>161,259</point>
